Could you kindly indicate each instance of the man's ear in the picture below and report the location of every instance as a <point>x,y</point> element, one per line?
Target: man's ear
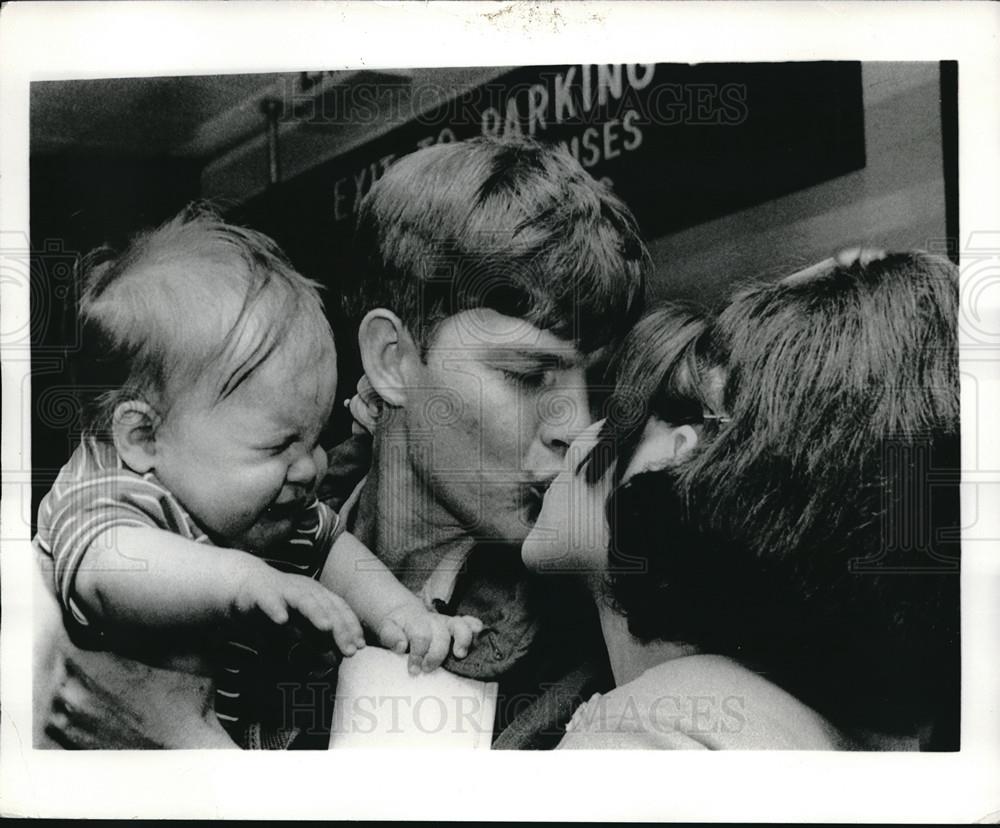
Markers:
<point>388,354</point>
<point>133,428</point>
<point>685,438</point>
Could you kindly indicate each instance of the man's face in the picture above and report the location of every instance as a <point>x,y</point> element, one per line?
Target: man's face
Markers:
<point>490,419</point>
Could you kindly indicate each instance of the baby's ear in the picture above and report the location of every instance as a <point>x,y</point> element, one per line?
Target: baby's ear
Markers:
<point>134,430</point>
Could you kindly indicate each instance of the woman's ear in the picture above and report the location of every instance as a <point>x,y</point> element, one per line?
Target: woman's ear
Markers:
<point>685,438</point>
<point>387,354</point>
<point>662,445</point>
<point>133,428</point>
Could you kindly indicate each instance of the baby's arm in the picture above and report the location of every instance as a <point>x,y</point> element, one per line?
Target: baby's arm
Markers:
<point>143,577</point>
<point>397,616</point>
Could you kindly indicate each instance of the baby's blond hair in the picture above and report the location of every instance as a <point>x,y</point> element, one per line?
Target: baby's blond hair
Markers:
<point>194,300</point>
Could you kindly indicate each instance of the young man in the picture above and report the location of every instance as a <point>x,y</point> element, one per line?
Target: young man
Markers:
<point>496,277</point>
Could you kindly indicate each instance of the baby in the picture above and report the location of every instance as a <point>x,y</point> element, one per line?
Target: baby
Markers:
<point>185,528</point>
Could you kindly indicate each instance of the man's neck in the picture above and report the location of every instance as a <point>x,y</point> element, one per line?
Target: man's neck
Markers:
<point>401,521</point>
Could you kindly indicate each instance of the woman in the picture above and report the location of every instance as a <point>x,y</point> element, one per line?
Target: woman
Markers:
<point>776,568</point>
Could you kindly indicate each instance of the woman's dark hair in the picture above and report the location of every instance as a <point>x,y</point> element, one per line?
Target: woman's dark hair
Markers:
<point>814,536</point>
<point>659,372</point>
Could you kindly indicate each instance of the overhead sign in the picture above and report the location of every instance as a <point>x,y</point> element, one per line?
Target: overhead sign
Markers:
<point>681,144</point>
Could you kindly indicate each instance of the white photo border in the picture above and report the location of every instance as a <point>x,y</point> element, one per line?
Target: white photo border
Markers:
<point>49,41</point>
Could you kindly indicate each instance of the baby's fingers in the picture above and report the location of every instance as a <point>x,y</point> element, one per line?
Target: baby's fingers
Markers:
<point>420,641</point>
<point>273,606</point>
<point>346,627</point>
<point>463,629</point>
<point>392,637</point>
<point>474,624</point>
<point>317,611</point>
<point>440,642</point>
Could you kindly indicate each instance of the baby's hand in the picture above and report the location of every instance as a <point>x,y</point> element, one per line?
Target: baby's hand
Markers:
<point>427,635</point>
<point>281,597</point>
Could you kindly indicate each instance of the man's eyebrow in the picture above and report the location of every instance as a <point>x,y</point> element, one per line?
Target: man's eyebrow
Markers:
<point>556,359</point>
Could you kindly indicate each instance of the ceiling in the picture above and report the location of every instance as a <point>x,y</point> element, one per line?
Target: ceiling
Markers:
<point>198,116</point>
<point>218,120</point>
<point>137,116</point>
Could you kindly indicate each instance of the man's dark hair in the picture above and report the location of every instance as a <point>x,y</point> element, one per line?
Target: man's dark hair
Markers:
<point>509,225</point>
<point>814,536</point>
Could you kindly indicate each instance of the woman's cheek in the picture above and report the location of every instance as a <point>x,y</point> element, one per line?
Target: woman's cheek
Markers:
<point>591,527</point>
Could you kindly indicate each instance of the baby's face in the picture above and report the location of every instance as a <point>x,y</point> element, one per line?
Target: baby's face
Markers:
<point>246,467</point>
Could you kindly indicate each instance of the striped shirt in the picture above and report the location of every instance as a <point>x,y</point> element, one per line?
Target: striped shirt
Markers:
<point>95,492</point>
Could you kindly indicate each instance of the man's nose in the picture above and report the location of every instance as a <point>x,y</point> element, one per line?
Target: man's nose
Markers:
<point>564,413</point>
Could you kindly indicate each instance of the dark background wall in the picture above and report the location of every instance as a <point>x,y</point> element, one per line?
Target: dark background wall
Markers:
<point>898,199</point>
<point>79,203</point>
